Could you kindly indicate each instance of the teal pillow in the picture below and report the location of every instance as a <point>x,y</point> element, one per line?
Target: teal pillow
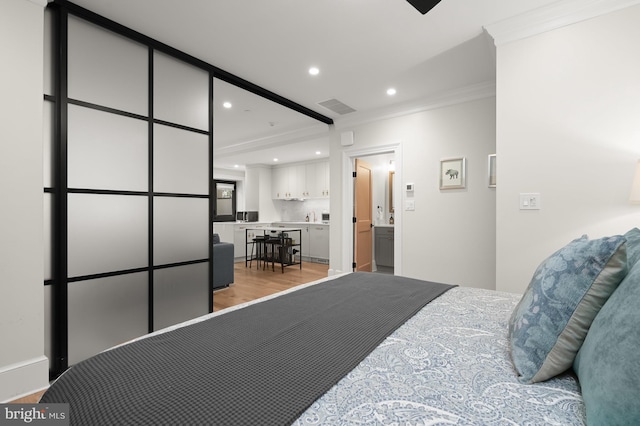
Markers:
<point>566,292</point>
<point>633,246</point>
<point>608,363</point>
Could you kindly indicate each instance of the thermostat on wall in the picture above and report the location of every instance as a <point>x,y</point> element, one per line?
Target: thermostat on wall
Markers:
<point>409,187</point>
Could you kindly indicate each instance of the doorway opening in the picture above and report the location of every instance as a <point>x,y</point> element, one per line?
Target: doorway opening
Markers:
<point>386,220</point>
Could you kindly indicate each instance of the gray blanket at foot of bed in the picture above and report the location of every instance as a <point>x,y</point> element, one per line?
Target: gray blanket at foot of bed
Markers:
<point>260,365</point>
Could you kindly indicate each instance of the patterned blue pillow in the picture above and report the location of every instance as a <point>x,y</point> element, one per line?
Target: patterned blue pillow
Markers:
<point>566,292</point>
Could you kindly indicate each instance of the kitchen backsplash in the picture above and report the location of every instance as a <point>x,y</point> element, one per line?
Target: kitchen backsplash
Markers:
<point>296,211</point>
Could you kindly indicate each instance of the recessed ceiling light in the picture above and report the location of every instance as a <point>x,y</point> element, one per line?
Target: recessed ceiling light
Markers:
<point>314,71</point>
<point>318,152</point>
<point>391,91</point>
<point>275,160</point>
<point>227,105</point>
<point>236,166</point>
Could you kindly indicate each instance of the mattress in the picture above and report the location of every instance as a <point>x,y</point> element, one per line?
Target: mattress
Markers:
<point>264,364</point>
<point>448,364</point>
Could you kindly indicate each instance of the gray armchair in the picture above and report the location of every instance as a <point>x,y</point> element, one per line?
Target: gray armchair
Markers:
<point>222,263</point>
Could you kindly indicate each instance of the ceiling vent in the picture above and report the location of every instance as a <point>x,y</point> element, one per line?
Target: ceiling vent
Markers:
<point>336,106</point>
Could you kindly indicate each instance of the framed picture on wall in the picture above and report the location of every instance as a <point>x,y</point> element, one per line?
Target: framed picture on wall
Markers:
<point>491,170</point>
<point>452,173</point>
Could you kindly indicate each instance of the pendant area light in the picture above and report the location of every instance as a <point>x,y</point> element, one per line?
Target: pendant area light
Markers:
<point>423,6</point>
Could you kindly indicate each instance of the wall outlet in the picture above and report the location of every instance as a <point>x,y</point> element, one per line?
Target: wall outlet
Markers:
<point>530,201</point>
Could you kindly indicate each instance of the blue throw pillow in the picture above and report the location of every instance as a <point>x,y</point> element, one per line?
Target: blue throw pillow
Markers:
<point>608,363</point>
<point>566,292</point>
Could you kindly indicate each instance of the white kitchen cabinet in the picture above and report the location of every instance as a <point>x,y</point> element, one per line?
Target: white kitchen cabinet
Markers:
<point>319,240</point>
<point>241,236</point>
<point>315,240</point>
<point>288,182</point>
<point>309,180</point>
<point>297,181</point>
<point>304,235</point>
<point>317,179</point>
<point>279,183</point>
<point>239,247</point>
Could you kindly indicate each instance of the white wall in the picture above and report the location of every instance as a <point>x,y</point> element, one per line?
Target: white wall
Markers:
<point>568,108</point>
<point>450,237</point>
<point>297,211</point>
<point>253,189</point>
<point>266,206</point>
<point>24,368</point>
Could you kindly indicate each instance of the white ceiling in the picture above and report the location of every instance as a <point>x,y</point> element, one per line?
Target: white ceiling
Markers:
<point>362,47</point>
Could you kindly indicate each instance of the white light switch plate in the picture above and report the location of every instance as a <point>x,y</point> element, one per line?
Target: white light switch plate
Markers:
<point>530,201</point>
<point>410,205</point>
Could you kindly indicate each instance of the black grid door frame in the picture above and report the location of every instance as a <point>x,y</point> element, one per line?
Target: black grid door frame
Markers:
<point>60,279</point>
<point>60,191</point>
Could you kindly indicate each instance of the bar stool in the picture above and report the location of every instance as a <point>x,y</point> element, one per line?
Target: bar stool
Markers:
<point>273,247</point>
<point>257,244</point>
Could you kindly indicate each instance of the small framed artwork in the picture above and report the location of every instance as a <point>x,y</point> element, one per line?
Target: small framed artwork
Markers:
<point>452,173</point>
<point>491,170</point>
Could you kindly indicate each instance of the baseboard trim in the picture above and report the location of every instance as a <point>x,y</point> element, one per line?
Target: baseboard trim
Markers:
<point>24,378</point>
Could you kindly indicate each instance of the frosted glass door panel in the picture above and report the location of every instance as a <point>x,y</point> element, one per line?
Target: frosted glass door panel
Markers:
<point>48,234</point>
<point>181,229</point>
<point>179,294</point>
<point>107,69</point>
<point>48,52</point>
<point>180,161</point>
<point>106,312</point>
<point>107,233</point>
<point>181,92</point>
<point>107,151</point>
<point>47,141</point>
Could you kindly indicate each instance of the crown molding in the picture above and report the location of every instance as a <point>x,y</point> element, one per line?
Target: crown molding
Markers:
<point>460,95</point>
<point>318,130</point>
<point>551,17</point>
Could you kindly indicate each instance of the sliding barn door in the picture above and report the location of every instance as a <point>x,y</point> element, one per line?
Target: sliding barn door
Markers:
<point>127,187</point>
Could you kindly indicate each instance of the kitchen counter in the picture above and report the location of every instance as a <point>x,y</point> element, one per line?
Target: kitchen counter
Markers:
<point>315,240</point>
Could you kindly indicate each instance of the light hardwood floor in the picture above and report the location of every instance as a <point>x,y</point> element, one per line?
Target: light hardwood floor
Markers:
<point>253,283</point>
<point>29,399</point>
<point>250,284</point>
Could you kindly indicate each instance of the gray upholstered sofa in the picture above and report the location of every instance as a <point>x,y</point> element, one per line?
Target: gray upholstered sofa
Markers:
<point>222,263</point>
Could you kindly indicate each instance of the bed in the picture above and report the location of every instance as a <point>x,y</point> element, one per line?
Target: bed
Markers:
<point>390,351</point>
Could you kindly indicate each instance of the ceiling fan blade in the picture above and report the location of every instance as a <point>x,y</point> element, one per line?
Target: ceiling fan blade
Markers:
<point>424,6</point>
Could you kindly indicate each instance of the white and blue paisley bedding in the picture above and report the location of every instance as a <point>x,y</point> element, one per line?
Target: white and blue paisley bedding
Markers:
<point>448,365</point>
